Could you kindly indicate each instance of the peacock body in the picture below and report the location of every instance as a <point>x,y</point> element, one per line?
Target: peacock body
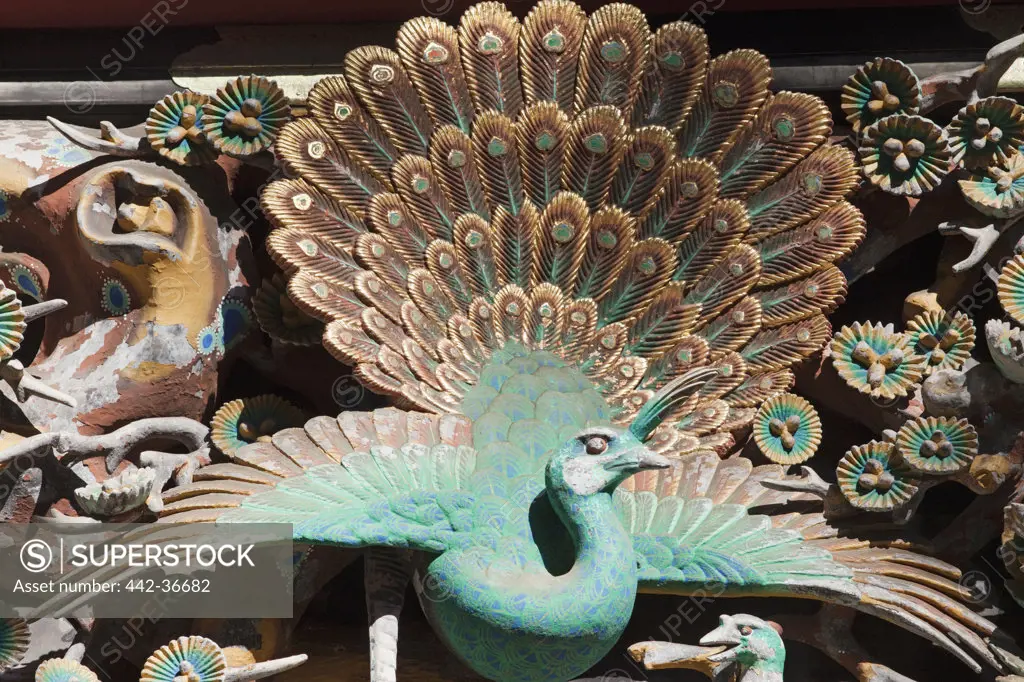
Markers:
<point>563,246</point>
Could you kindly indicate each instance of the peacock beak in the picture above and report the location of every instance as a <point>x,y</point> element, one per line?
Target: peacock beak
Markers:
<point>649,460</point>
<point>638,459</point>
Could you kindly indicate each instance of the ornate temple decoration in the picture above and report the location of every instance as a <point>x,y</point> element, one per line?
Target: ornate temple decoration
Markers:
<point>875,359</point>
<point>197,659</point>
<point>997,191</point>
<point>64,670</point>
<point>12,323</point>
<point>787,429</point>
<point>1006,344</point>
<point>873,477</point>
<point>281,319</point>
<point>904,154</point>
<point>14,641</point>
<point>937,445</point>
<point>880,88</point>
<point>249,420</point>
<point>245,116</point>
<point>125,492</point>
<point>583,264</point>
<point>1011,288</point>
<point>945,342</point>
<point>175,129</point>
<point>986,133</point>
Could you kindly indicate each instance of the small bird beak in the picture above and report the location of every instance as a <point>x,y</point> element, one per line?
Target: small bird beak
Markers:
<point>725,635</point>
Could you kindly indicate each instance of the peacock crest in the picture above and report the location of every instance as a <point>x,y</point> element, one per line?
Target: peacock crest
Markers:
<point>578,187</point>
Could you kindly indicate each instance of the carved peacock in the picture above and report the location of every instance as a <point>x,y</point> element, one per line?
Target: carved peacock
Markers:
<point>573,252</point>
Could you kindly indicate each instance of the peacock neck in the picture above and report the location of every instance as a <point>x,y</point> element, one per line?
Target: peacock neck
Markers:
<point>600,541</point>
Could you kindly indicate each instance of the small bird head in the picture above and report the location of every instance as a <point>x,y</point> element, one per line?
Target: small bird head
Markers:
<point>749,640</point>
<point>601,457</point>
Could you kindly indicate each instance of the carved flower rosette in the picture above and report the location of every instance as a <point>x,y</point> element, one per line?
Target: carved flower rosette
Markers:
<point>874,359</point>
<point>245,115</point>
<point>248,420</point>
<point>174,129</point>
<point>14,641</point>
<point>873,478</point>
<point>281,319</point>
<point>787,429</point>
<point>196,659</point>
<point>880,88</point>
<point>64,670</point>
<point>1010,288</point>
<point>986,133</point>
<point>904,155</point>
<point>999,191</point>
<point>12,323</point>
<point>937,445</point>
<point>945,342</point>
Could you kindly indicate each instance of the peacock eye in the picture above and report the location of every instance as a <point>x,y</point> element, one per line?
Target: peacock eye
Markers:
<point>596,445</point>
<point>746,630</point>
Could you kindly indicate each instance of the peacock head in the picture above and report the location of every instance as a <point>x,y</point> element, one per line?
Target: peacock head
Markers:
<point>601,457</point>
<point>750,641</point>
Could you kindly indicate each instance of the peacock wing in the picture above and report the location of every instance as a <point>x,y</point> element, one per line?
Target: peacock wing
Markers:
<point>694,533</point>
<point>383,478</point>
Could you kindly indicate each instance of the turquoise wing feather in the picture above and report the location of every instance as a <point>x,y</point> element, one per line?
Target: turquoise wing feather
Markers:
<point>413,497</point>
<point>687,544</point>
<point>410,497</point>
<point>694,533</point>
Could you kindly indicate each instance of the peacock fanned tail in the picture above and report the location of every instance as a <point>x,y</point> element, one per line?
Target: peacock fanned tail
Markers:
<point>513,228</point>
<point>579,186</point>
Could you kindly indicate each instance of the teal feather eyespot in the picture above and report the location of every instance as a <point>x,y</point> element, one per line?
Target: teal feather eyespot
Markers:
<point>114,297</point>
<point>64,670</point>
<point>25,281</point>
<point>986,133</point>
<point>210,340</point>
<point>880,88</point>
<point>12,323</point>
<point>904,155</point>
<point>787,429</point>
<point>945,342</point>
<point>1011,288</point>
<point>174,129</point>
<point>613,51</point>
<point>937,445</point>
<point>873,478</point>
<point>14,641</point>
<point>245,116</point>
<point>998,191</point>
<point>874,359</point>
<point>196,659</point>
<point>248,420</point>
<point>235,321</point>
<point>497,147</point>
